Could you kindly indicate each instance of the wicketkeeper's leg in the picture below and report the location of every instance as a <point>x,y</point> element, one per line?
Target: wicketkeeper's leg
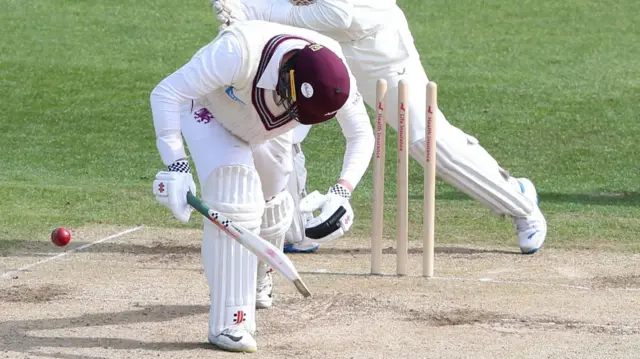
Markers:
<point>460,159</point>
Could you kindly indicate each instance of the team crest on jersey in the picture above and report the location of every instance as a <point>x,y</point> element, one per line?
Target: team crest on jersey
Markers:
<point>229,92</point>
<point>203,116</point>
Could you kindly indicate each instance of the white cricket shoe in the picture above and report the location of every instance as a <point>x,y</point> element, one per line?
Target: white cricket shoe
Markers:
<point>235,338</point>
<point>264,292</point>
<point>532,229</point>
<point>306,246</point>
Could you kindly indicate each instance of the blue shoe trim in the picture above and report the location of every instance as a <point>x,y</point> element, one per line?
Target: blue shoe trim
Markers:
<point>522,190</point>
<point>532,251</point>
<point>289,248</point>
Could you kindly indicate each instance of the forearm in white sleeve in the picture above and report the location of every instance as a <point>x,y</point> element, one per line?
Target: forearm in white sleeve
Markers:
<point>215,65</point>
<point>356,127</point>
<point>322,15</point>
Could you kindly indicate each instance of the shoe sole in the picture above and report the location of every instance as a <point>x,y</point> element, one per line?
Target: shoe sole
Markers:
<point>531,251</point>
<point>235,350</point>
<point>261,306</point>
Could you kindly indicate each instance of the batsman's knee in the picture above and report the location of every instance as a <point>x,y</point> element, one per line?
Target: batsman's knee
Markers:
<point>236,192</point>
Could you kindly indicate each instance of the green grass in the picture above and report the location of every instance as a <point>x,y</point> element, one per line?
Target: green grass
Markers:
<point>551,89</point>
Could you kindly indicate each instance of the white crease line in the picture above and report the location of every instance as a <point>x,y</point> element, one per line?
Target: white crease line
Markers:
<point>481,280</point>
<point>77,249</point>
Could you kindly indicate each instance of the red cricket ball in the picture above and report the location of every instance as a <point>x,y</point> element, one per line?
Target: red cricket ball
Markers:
<point>60,236</point>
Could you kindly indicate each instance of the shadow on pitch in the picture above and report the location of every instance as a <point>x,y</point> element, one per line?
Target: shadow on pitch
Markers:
<point>418,250</point>
<point>46,249</point>
<point>17,336</point>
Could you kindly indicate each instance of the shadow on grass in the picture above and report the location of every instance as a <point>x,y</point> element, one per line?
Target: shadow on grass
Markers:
<point>605,198</point>
<point>602,199</point>
<point>17,338</point>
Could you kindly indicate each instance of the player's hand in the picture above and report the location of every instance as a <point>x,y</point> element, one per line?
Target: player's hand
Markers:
<point>223,10</point>
<point>171,187</point>
<point>336,215</point>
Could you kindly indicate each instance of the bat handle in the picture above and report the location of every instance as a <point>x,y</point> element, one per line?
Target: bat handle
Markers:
<point>194,202</point>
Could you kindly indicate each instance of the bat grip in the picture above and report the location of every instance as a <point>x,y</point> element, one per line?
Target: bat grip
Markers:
<point>194,202</point>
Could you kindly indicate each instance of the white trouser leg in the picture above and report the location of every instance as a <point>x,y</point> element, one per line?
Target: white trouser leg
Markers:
<point>210,145</point>
<point>273,161</point>
<point>297,188</point>
<point>461,160</point>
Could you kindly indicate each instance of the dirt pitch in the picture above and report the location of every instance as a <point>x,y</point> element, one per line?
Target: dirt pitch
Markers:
<point>143,295</point>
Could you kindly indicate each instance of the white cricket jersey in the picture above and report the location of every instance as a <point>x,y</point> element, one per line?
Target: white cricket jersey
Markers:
<point>235,77</point>
<point>342,20</point>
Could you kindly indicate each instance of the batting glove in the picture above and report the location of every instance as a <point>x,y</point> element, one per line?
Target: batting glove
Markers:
<point>171,187</point>
<point>336,215</point>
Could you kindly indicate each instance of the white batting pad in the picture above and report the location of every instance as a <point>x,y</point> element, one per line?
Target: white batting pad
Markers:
<point>464,163</point>
<point>297,188</point>
<point>236,192</point>
<point>276,220</point>
<point>277,217</point>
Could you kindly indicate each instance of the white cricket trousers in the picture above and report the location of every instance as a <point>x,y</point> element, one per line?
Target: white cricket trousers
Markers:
<point>211,146</point>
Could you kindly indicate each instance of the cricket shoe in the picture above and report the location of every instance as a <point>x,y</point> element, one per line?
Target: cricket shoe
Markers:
<point>302,247</point>
<point>264,292</point>
<point>532,229</point>
<point>235,338</point>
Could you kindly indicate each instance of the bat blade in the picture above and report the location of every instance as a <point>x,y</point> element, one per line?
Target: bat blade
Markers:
<point>262,249</point>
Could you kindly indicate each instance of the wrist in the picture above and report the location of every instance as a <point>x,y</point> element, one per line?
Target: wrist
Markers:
<point>346,184</point>
<point>340,190</point>
<point>181,165</point>
<point>170,146</point>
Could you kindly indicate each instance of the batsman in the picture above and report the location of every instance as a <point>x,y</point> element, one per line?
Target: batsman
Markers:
<point>375,38</point>
<point>242,95</point>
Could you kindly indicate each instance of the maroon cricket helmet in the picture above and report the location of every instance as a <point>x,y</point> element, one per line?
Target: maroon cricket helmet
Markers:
<point>321,82</point>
